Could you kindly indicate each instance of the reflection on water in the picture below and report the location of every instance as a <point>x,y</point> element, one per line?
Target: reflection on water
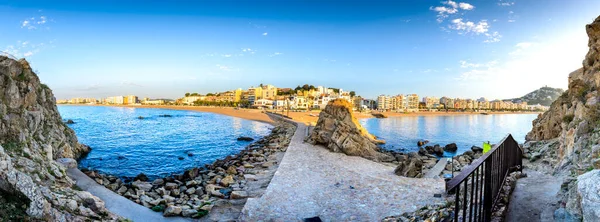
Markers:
<point>403,133</point>
<point>124,145</point>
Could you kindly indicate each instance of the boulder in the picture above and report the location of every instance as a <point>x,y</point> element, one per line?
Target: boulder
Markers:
<point>413,167</point>
<point>339,131</point>
<point>588,190</point>
<point>68,162</point>
<point>476,149</point>
<point>145,186</point>
<point>172,211</point>
<point>158,182</point>
<point>422,142</point>
<point>451,147</point>
<point>438,150</point>
<point>141,177</point>
<point>227,180</point>
<point>70,121</point>
<point>239,194</point>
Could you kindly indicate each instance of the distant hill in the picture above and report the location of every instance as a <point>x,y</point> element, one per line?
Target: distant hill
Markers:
<point>543,96</point>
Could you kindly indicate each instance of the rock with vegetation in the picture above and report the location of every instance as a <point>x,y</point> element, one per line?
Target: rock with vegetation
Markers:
<point>565,138</point>
<point>32,137</point>
<point>339,131</point>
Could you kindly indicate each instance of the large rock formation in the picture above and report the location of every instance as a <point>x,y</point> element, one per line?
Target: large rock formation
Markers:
<point>339,130</point>
<point>566,137</point>
<point>32,137</point>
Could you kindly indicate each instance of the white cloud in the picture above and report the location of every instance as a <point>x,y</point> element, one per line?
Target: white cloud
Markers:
<point>265,33</point>
<point>523,45</point>
<point>276,54</point>
<point>493,37</point>
<point>224,68</point>
<point>34,23</point>
<point>27,54</point>
<point>450,7</point>
<point>227,55</point>
<point>503,3</point>
<point>466,6</point>
<point>451,3</point>
<point>512,20</point>
<point>469,27</point>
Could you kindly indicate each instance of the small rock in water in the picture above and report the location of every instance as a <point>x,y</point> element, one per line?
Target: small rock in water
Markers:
<point>180,158</point>
<point>244,138</point>
<point>70,121</point>
<point>189,153</point>
<point>140,117</point>
<point>141,177</point>
<point>165,115</point>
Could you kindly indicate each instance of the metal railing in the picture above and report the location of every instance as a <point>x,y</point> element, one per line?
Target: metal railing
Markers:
<point>477,187</point>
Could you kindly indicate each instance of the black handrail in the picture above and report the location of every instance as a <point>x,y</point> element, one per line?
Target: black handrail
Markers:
<point>485,178</point>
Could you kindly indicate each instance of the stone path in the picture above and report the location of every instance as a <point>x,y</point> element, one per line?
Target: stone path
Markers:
<point>437,169</point>
<point>312,181</point>
<point>534,198</point>
<point>116,203</point>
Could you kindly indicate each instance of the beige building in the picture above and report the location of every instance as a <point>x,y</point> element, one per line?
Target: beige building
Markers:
<point>412,102</point>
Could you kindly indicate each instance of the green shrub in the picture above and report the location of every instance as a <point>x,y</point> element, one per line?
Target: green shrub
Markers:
<point>201,213</point>
<point>158,208</point>
<point>568,118</point>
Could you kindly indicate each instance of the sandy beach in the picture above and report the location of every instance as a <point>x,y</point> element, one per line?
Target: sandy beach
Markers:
<point>309,117</point>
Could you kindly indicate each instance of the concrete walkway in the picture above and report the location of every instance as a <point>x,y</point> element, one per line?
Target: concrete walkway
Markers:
<point>312,181</point>
<point>437,169</point>
<point>534,198</point>
<point>118,204</point>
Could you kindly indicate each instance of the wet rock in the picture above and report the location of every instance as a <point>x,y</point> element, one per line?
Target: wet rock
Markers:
<point>180,158</point>
<point>438,150</point>
<point>70,121</point>
<point>422,142</point>
<point>244,138</point>
<point>476,149</point>
<point>451,147</point>
<point>141,177</point>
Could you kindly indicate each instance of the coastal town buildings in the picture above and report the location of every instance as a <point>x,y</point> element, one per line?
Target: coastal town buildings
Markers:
<point>308,97</point>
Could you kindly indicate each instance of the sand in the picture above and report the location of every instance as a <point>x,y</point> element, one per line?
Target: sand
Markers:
<point>307,117</point>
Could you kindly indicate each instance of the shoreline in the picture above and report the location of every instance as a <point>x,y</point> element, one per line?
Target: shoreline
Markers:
<point>308,117</point>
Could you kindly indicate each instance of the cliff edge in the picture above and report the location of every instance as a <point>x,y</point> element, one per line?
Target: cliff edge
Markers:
<point>339,131</point>
<point>32,137</point>
<point>566,138</point>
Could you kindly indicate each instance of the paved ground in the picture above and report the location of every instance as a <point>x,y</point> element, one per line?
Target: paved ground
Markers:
<point>116,203</point>
<point>534,198</point>
<point>312,181</point>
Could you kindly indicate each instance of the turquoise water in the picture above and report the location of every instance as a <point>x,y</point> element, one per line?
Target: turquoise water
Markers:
<point>124,145</point>
<point>403,133</point>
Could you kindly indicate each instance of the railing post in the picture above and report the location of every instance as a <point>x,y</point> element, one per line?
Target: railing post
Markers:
<point>487,193</point>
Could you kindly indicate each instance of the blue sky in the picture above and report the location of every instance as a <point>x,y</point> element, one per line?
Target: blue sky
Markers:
<point>491,48</point>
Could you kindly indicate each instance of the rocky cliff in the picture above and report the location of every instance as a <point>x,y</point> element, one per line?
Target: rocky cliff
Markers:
<point>32,138</point>
<point>339,130</point>
<point>566,137</point>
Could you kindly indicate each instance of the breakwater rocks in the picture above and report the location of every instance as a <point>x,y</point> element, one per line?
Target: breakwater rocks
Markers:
<point>417,164</point>
<point>223,185</point>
